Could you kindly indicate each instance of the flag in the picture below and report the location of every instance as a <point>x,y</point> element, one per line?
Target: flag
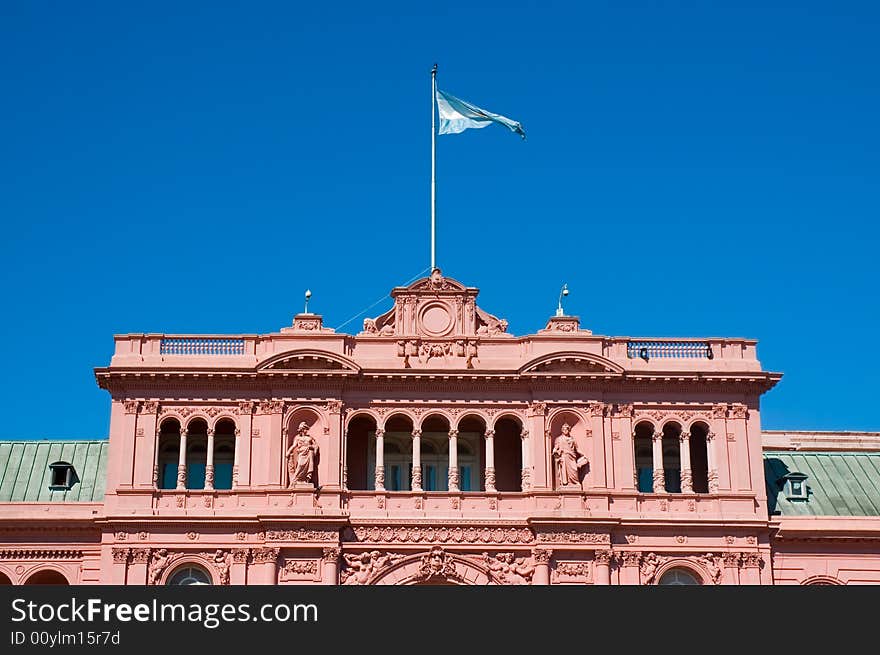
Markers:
<point>457,115</point>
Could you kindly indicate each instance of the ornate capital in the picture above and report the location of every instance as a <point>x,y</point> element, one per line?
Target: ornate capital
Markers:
<point>131,406</point>
<point>453,434</point>
<point>603,557</point>
<point>684,436</point>
<point>489,434</point>
<point>333,407</point>
<point>121,555</point>
<point>542,555</point>
<point>524,434</point>
<point>380,432</point>
<point>140,555</point>
<point>331,555</point>
<point>537,409</point>
<point>657,436</point>
<point>416,433</point>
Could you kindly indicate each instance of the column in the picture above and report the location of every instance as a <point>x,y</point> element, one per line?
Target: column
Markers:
<point>181,460</point>
<point>416,460</point>
<point>750,574</point>
<point>490,460</point>
<point>380,460</point>
<point>156,472</point>
<point>629,569</point>
<point>659,479</point>
<point>542,566</point>
<point>602,567</point>
<point>236,457</point>
<point>330,566</point>
<point>209,463</point>
<point>684,454</point>
<point>453,461</point>
<point>710,459</point>
<point>526,467</point>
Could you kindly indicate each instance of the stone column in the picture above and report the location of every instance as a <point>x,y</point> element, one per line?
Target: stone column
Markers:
<point>490,460</point>
<point>416,460</point>
<point>453,461</point>
<point>137,570</point>
<point>710,459</point>
<point>731,563</point>
<point>181,461</point>
<point>120,564</point>
<point>209,464</point>
<point>602,567</point>
<point>750,574</point>
<point>157,474</point>
<point>542,566</point>
<point>629,570</point>
<point>684,441</point>
<point>330,566</point>
<point>236,457</point>
<point>380,460</point>
<point>270,564</point>
<point>659,478</point>
<point>238,570</point>
<point>526,474</point>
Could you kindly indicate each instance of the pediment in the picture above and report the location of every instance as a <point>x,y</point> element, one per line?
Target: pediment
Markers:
<point>570,363</point>
<point>312,361</point>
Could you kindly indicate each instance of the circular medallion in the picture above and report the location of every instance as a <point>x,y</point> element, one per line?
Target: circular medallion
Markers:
<point>436,319</point>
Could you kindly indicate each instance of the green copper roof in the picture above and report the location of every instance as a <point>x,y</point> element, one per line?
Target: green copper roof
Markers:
<point>839,483</point>
<point>25,473</point>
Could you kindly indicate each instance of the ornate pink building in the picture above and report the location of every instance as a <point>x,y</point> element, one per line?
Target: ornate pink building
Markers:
<point>435,447</point>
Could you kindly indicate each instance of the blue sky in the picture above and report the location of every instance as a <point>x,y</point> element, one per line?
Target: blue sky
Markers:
<point>691,169</point>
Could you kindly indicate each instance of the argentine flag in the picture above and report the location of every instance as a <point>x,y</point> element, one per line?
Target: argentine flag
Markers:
<point>456,116</point>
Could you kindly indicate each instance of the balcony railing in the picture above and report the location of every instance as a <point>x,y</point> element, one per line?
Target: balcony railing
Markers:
<point>669,349</point>
<point>201,346</point>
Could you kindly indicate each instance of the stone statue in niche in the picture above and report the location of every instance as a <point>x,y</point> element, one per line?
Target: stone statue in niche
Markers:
<point>568,459</point>
<point>302,457</point>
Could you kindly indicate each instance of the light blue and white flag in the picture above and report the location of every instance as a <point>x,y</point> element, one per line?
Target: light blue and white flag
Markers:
<point>456,116</point>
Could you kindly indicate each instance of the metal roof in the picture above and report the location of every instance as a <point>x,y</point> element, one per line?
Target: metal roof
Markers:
<point>839,483</point>
<point>25,474</point>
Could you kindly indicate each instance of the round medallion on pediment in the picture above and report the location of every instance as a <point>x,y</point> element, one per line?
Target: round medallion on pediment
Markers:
<point>436,319</point>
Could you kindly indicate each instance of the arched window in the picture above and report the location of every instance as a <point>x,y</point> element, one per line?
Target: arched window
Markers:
<point>196,453</point>
<point>189,575</point>
<point>672,457</point>
<point>644,455</point>
<point>169,453</point>
<point>224,453</point>
<point>360,436</point>
<point>699,458</point>
<point>679,576</point>
<point>47,576</point>
<point>508,454</point>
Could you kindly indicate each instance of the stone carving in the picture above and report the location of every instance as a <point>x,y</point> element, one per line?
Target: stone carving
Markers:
<point>753,560</point>
<point>131,406</point>
<point>271,407</point>
<point>299,568</point>
<point>631,538</point>
<point>302,534</point>
<point>222,560</point>
<point>568,459</point>
<point>603,557</point>
<point>509,569</point>
<point>333,407</point>
<point>659,481</point>
<point>575,537</point>
<point>713,481</point>
<point>542,555</point>
<point>370,326</point>
<point>623,410</point>
<point>245,408</point>
<point>650,563</point>
<point>436,564</point>
<point>731,560</point>
<point>630,558</point>
<point>161,559</point>
<point>120,555</point>
<point>738,411</point>
<point>537,409</point>
<point>302,457</point>
<point>490,478</point>
<point>192,536</point>
<point>572,571</point>
<point>140,555</point>
<point>712,562</point>
<point>472,534</point>
<point>264,555</point>
<point>241,536</point>
<point>363,566</point>
<point>719,411</point>
<point>330,555</point>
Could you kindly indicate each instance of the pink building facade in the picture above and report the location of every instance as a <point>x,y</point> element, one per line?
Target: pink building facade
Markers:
<point>434,447</point>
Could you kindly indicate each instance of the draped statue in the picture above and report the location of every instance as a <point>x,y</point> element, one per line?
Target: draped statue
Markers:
<point>569,461</point>
<point>302,457</point>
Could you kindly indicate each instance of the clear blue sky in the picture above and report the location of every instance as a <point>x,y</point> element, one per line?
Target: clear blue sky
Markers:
<point>691,169</point>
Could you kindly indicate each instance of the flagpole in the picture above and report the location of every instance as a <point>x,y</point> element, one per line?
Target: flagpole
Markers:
<point>433,169</point>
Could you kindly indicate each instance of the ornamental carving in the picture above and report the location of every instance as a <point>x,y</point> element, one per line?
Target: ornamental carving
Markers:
<point>363,566</point>
<point>265,555</point>
<point>160,560</point>
<point>537,409</point>
<point>631,538</point>
<point>302,534</point>
<point>649,564</point>
<point>121,555</point>
<point>143,535</point>
<point>131,406</point>
<point>436,564</point>
<point>572,572</point>
<point>731,560</point>
<point>542,555</point>
<point>623,410</point>
<point>270,407</point>
<point>240,555</point>
<point>330,555</point>
<point>245,408</point>
<point>753,560</point>
<point>294,569</point>
<point>575,537</point>
<point>222,560</point>
<point>712,562</point>
<point>121,536</point>
<point>140,555</point>
<point>597,409</point>
<point>149,407</point>
<point>509,569</point>
<point>192,536</point>
<point>333,407</point>
<point>603,557</point>
<point>630,558</point>
<point>719,411</point>
<point>474,534</point>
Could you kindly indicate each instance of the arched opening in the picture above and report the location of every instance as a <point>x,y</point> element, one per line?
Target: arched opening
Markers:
<point>699,457</point>
<point>196,453</point>
<point>361,432</point>
<point>189,574</point>
<point>672,457</point>
<point>434,453</point>
<point>472,453</point>
<point>169,453</point>
<point>224,453</point>
<point>679,576</point>
<point>397,453</point>
<point>47,576</point>
<point>643,450</point>
<point>508,454</point>
<point>4,579</point>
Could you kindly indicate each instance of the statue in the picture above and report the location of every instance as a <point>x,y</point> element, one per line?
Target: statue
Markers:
<point>221,563</point>
<point>569,461</point>
<point>161,559</point>
<point>510,569</point>
<point>302,457</point>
